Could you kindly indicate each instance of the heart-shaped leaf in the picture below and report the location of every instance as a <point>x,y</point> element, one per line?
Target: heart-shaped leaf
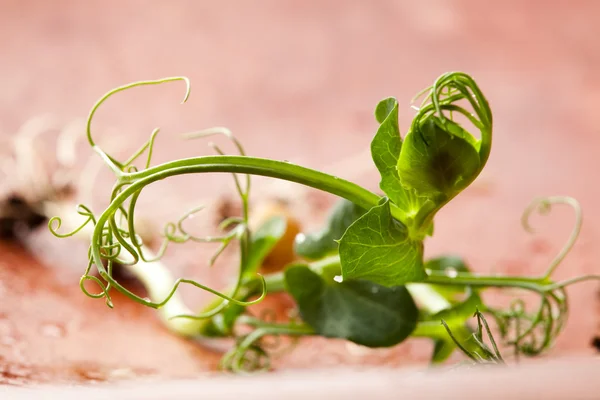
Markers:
<point>377,248</point>
<point>360,311</point>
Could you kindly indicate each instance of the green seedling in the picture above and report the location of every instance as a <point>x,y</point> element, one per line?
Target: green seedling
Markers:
<point>363,277</point>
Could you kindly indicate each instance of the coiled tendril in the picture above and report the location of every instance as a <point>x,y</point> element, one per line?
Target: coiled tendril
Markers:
<point>531,333</point>
<point>115,240</point>
<point>249,353</point>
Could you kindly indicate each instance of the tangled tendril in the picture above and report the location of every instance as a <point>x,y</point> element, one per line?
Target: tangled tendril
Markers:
<point>250,352</point>
<point>115,239</point>
<point>532,333</point>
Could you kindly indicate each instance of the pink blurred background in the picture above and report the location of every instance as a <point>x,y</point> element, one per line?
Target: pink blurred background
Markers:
<point>298,81</point>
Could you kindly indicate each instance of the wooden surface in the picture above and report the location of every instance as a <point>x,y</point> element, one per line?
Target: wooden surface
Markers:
<point>295,81</point>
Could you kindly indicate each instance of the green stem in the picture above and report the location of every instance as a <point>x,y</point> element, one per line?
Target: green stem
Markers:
<point>277,328</point>
<point>534,284</point>
<point>430,330</point>
<point>540,284</point>
<point>263,167</point>
<point>427,299</point>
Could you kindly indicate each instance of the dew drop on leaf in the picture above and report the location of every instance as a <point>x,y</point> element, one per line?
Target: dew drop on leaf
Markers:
<point>451,272</point>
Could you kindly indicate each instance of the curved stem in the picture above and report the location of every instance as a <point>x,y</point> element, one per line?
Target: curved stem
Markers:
<point>229,164</point>
<point>264,167</point>
<point>277,328</point>
<point>568,282</point>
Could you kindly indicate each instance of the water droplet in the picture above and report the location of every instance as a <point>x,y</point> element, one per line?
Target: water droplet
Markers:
<point>338,278</point>
<point>300,238</point>
<point>53,330</point>
<point>451,272</point>
<point>374,290</point>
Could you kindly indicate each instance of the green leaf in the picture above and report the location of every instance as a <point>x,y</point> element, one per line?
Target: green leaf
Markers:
<point>360,311</point>
<point>436,163</point>
<point>456,317</point>
<point>262,242</point>
<point>385,150</point>
<point>320,244</point>
<point>442,350</point>
<point>377,248</point>
<point>460,311</point>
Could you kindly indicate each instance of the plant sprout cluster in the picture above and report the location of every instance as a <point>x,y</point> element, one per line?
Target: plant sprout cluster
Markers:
<point>363,276</point>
